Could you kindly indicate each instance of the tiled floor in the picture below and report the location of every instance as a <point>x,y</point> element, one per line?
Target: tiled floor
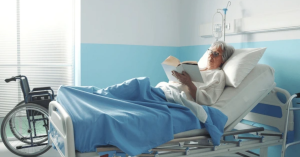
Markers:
<point>4,152</point>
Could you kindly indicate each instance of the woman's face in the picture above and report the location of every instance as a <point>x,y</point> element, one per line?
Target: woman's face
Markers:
<point>215,58</point>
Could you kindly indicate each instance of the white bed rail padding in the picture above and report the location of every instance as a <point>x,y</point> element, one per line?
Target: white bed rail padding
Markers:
<point>61,130</point>
<point>272,99</point>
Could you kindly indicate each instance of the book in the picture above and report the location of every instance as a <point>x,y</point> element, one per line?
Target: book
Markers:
<point>191,67</point>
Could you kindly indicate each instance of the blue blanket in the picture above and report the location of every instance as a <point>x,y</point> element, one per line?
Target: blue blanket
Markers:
<point>132,116</point>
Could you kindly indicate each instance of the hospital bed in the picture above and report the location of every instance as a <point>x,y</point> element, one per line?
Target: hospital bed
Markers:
<point>237,103</point>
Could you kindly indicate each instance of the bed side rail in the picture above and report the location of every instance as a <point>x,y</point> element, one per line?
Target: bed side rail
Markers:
<point>61,133</point>
<point>278,122</point>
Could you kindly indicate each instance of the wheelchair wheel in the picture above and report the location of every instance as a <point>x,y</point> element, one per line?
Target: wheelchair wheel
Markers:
<point>40,127</point>
<point>20,103</point>
<point>24,130</point>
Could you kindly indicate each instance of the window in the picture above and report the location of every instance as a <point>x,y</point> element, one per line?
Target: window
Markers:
<point>36,40</point>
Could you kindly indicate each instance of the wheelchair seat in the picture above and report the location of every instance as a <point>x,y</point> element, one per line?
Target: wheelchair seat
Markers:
<point>40,96</point>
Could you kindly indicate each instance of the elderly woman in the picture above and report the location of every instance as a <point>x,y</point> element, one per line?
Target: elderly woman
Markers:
<point>206,93</point>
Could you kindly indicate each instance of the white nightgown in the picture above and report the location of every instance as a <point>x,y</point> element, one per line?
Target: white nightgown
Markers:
<point>208,92</point>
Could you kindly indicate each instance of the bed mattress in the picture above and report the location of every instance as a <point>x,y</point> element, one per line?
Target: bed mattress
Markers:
<point>235,102</point>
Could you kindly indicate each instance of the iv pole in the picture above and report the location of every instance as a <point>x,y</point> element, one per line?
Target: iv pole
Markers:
<point>223,21</point>
<point>225,10</point>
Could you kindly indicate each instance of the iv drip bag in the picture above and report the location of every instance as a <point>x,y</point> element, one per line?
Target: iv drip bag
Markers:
<point>217,27</point>
<point>217,31</point>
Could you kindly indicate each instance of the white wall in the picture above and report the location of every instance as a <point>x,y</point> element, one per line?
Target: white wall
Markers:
<point>196,12</point>
<point>130,22</point>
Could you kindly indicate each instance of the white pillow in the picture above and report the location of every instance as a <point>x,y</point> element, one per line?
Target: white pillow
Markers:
<point>239,65</point>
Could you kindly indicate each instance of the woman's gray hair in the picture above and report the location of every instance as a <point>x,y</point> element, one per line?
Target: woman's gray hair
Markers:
<point>227,49</point>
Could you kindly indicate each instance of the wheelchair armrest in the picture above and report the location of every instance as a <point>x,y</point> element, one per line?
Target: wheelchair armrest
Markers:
<point>38,93</point>
<point>41,88</point>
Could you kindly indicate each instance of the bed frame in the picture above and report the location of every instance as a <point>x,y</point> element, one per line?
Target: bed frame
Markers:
<point>61,134</point>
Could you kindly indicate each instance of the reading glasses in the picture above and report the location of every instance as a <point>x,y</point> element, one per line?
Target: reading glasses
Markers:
<point>215,53</point>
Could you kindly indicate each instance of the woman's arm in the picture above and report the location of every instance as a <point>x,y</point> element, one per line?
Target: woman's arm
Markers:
<point>193,90</point>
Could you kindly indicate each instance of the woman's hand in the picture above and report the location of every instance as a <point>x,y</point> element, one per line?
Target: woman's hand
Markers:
<point>184,78</point>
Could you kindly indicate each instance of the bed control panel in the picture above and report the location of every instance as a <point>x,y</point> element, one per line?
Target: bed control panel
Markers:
<point>57,140</point>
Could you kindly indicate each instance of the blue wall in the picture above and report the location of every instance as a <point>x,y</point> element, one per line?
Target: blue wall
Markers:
<point>103,65</point>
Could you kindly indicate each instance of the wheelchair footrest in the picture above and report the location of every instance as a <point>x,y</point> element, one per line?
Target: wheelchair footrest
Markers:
<point>34,145</point>
<point>27,138</point>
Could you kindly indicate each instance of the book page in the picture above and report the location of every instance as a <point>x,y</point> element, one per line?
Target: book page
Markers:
<point>189,62</point>
<point>193,71</point>
<point>179,68</point>
<point>171,61</point>
<point>191,67</point>
<point>168,70</point>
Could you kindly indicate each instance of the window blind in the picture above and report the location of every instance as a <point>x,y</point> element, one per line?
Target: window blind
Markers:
<point>36,40</point>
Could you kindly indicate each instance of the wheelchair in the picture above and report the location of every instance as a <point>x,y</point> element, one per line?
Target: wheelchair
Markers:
<point>24,130</point>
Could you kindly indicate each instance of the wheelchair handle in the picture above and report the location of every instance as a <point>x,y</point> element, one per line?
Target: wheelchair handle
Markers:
<point>298,95</point>
<point>14,78</point>
<point>10,79</point>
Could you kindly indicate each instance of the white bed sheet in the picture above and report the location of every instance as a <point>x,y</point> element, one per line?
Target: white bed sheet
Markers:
<point>234,102</point>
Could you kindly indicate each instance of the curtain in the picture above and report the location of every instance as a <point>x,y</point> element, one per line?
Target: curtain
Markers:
<point>36,40</point>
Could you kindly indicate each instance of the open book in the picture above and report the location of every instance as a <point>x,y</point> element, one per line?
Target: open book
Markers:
<point>191,67</point>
